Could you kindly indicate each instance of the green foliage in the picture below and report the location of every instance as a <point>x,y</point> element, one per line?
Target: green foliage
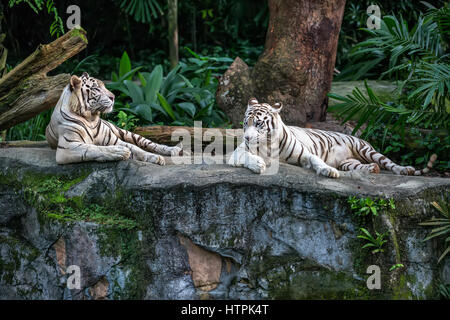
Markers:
<point>367,206</point>
<point>141,10</point>
<point>442,226</point>
<point>33,129</point>
<point>372,111</point>
<point>48,196</point>
<point>126,121</point>
<point>396,266</point>
<point>86,63</point>
<point>93,213</point>
<point>57,26</point>
<point>413,149</point>
<point>395,46</point>
<point>171,99</point>
<point>355,18</point>
<point>373,242</point>
<point>417,58</point>
<point>444,291</point>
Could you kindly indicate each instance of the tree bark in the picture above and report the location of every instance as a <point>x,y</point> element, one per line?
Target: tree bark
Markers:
<point>26,90</point>
<point>3,50</point>
<point>296,67</point>
<point>172,17</point>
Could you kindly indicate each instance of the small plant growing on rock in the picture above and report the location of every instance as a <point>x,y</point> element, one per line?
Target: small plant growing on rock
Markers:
<point>366,206</point>
<point>396,266</point>
<point>373,242</point>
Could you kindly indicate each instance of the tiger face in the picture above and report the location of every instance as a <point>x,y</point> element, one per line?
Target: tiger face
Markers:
<point>261,122</point>
<point>92,93</point>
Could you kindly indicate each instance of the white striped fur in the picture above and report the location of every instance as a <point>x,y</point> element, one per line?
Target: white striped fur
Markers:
<point>323,151</point>
<point>78,133</point>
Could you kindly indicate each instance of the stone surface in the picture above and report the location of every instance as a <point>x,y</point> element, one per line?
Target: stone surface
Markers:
<point>207,232</point>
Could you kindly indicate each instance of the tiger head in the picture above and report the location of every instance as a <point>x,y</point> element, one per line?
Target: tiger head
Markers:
<point>261,122</point>
<point>92,95</point>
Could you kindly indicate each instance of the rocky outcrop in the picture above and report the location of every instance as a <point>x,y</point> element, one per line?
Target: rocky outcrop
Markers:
<point>133,230</point>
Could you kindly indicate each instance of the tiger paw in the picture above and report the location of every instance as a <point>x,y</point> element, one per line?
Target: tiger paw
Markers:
<point>176,151</point>
<point>256,164</point>
<point>408,171</point>
<point>155,158</point>
<point>329,172</point>
<point>374,168</point>
<point>120,152</point>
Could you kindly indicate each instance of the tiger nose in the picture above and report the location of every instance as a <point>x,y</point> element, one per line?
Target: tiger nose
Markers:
<point>112,97</point>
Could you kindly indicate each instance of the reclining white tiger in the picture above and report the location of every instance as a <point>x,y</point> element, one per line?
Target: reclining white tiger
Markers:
<point>79,134</point>
<point>323,151</point>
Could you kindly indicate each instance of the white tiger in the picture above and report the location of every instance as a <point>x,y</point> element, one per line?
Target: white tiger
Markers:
<point>78,133</point>
<point>323,151</point>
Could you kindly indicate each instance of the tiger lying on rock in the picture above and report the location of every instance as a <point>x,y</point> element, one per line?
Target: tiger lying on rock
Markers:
<point>323,151</point>
<point>79,134</point>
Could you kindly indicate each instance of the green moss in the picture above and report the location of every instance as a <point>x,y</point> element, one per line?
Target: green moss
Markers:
<point>401,290</point>
<point>125,245</point>
<point>79,32</point>
<point>323,284</point>
<point>18,254</point>
<point>46,193</point>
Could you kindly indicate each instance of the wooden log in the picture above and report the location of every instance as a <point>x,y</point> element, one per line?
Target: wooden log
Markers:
<point>170,135</point>
<point>26,90</point>
<point>24,144</point>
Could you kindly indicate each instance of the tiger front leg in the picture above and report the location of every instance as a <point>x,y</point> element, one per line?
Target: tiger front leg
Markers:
<point>141,155</point>
<point>75,152</point>
<point>242,158</point>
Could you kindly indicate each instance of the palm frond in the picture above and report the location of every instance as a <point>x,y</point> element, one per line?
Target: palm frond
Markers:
<point>397,43</point>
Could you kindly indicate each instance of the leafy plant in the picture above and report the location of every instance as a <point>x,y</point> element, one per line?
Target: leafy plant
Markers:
<point>85,63</point>
<point>366,206</point>
<point>372,111</point>
<point>442,226</point>
<point>33,129</point>
<point>400,46</point>
<point>413,149</point>
<point>126,121</point>
<point>396,266</point>
<point>57,26</point>
<point>373,242</point>
<point>141,10</point>
<point>416,57</point>
<point>171,99</point>
<point>444,291</point>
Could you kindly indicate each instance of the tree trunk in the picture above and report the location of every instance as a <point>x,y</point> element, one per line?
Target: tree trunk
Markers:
<point>296,67</point>
<point>26,90</point>
<point>3,51</point>
<point>172,17</point>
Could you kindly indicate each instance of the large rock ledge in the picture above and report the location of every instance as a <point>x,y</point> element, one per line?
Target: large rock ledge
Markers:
<point>141,231</point>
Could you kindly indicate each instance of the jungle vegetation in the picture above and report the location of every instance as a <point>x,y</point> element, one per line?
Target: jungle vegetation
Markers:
<point>129,49</point>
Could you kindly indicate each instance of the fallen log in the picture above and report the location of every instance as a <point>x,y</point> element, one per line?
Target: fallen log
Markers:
<point>170,135</point>
<point>26,90</point>
<point>24,144</point>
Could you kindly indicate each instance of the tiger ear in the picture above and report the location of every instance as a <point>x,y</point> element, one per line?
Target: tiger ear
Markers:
<point>252,102</point>
<point>85,74</point>
<point>75,83</point>
<point>277,107</point>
